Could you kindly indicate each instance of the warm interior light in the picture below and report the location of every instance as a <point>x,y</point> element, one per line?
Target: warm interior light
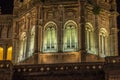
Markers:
<point>9,53</point>
<point>1,53</point>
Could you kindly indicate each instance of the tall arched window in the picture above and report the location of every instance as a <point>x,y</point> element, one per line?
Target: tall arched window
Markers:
<point>50,38</point>
<point>32,40</point>
<point>9,53</point>
<point>1,53</point>
<point>22,46</point>
<point>70,39</point>
<point>89,37</point>
<point>103,42</point>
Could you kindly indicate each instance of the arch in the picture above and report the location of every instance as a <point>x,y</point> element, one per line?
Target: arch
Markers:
<point>70,22</point>
<point>50,23</point>
<point>1,53</point>
<point>32,30</point>
<point>22,35</point>
<point>9,53</point>
<point>103,30</point>
<point>50,37</point>
<point>89,25</point>
<point>70,36</point>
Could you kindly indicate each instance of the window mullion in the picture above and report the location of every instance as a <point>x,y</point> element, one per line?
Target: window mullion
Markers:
<point>104,44</point>
<point>70,37</point>
<point>89,40</point>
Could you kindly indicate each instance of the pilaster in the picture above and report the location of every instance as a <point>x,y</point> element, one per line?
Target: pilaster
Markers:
<point>60,29</point>
<point>82,22</point>
<point>40,28</point>
<point>28,37</point>
<point>113,29</point>
<point>36,46</point>
<point>113,34</point>
<point>4,51</point>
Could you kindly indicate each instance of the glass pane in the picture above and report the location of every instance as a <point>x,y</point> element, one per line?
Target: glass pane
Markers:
<point>1,53</point>
<point>9,53</point>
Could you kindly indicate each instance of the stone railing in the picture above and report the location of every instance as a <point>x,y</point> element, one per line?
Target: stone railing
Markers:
<point>61,71</point>
<point>6,65</point>
<point>113,59</point>
<point>112,68</point>
<point>6,70</point>
<point>66,71</point>
<point>62,67</point>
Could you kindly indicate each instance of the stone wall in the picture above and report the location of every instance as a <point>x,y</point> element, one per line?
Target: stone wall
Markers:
<point>6,70</point>
<point>62,71</point>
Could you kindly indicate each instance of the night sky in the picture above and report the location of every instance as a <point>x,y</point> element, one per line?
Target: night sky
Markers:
<point>7,7</point>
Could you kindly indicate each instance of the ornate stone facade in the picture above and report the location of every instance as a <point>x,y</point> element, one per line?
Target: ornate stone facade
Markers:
<point>64,31</point>
<point>61,40</point>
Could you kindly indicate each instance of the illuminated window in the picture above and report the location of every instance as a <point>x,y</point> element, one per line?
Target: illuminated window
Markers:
<point>1,53</point>
<point>89,37</point>
<point>22,46</point>
<point>103,42</point>
<point>9,53</point>
<point>70,36</point>
<point>32,40</point>
<point>50,38</point>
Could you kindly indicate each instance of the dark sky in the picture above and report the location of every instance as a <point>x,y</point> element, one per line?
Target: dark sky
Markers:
<point>118,9</point>
<point>7,6</point>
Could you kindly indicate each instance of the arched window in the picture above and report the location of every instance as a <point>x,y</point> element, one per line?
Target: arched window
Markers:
<point>1,53</point>
<point>70,39</point>
<point>89,37</point>
<point>22,46</point>
<point>9,53</point>
<point>32,40</point>
<point>103,42</point>
<point>50,38</point>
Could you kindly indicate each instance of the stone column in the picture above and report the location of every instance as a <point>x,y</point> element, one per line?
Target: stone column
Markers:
<point>113,34</point>
<point>82,22</point>
<point>15,42</point>
<point>41,29</point>
<point>36,50</point>
<point>40,38</point>
<point>28,37</point>
<point>4,51</point>
<point>60,33</point>
<point>96,35</point>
